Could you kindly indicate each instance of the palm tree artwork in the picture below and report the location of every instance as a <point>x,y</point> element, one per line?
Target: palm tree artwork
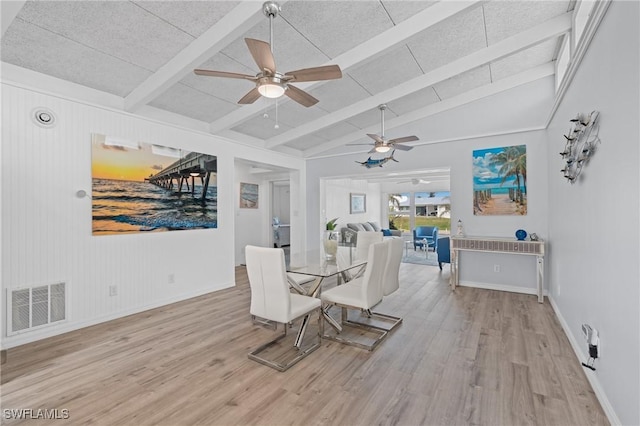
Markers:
<point>500,181</point>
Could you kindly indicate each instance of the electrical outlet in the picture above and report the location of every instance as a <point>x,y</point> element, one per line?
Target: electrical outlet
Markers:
<point>496,268</point>
<point>113,290</point>
<point>171,279</point>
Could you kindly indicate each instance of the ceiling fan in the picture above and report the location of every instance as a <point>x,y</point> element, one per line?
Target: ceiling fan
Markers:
<point>383,144</point>
<point>415,181</point>
<point>269,82</point>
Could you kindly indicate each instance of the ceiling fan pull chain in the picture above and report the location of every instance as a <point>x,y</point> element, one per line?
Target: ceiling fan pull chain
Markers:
<point>277,126</point>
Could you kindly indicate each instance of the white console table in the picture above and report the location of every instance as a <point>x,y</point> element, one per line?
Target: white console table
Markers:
<point>497,245</point>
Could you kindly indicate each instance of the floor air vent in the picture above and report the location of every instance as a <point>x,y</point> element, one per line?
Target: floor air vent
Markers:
<point>34,307</point>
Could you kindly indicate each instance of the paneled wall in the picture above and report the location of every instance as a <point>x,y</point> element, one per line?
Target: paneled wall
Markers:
<point>46,229</point>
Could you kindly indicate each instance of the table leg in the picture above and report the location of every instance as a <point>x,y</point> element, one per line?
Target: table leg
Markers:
<point>540,279</point>
<point>454,269</point>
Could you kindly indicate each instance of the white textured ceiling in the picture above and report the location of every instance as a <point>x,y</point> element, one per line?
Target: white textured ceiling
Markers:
<point>419,57</point>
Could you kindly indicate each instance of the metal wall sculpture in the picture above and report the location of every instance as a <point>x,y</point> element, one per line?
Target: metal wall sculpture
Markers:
<point>580,144</point>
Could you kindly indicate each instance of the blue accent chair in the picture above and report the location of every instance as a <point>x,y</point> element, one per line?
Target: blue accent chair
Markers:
<point>430,233</point>
<point>444,251</point>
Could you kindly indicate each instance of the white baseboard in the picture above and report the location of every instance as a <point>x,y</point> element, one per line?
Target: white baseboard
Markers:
<point>501,287</point>
<point>591,375</point>
<point>24,338</point>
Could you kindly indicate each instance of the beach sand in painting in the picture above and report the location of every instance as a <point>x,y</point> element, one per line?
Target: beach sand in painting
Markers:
<point>500,204</point>
<point>248,196</point>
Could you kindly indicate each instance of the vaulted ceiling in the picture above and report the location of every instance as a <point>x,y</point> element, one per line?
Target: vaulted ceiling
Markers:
<point>418,57</point>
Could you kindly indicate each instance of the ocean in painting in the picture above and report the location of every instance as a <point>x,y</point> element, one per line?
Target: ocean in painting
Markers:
<point>497,189</point>
<point>249,195</point>
<point>126,207</point>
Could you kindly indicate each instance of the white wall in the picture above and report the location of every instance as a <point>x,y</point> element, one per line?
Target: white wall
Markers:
<point>46,230</point>
<point>338,196</point>
<point>593,224</point>
<point>476,269</point>
<point>249,223</point>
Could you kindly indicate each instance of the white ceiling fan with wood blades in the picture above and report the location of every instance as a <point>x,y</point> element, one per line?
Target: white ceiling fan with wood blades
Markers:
<point>383,144</point>
<point>269,82</point>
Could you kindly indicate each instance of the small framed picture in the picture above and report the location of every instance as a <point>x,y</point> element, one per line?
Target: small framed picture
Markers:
<point>248,195</point>
<point>358,203</point>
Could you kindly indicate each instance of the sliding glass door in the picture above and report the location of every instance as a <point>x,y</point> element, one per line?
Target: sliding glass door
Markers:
<point>410,209</point>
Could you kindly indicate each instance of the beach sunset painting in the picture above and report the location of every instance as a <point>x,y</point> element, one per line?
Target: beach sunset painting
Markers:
<point>500,181</point>
<point>142,187</point>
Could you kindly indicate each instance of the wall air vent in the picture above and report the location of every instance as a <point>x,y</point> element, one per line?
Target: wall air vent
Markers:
<point>35,307</point>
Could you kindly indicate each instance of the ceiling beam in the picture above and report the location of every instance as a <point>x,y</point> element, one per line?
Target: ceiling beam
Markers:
<point>545,31</point>
<point>9,10</point>
<point>507,83</point>
<point>364,52</point>
<point>216,38</point>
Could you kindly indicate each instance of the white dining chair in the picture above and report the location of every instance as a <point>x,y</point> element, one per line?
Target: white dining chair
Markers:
<point>272,300</point>
<point>361,293</point>
<point>391,278</point>
<point>365,239</point>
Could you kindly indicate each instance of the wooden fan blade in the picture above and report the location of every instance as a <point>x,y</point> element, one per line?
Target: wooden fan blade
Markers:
<point>401,147</point>
<point>375,137</point>
<point>261,52</point>
<point>300,96</point>
<point>404,139</point>
<point>250,97</point>
<point>211,73</point>
<point>328,72</point>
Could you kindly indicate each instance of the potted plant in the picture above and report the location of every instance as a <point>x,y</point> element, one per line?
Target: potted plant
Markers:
<point>330,239</point>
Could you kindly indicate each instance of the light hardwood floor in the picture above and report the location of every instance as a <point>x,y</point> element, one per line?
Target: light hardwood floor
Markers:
<point>471,356</point>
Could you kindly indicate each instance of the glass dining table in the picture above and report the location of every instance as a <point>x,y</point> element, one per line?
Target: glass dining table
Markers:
<point>315,264</point>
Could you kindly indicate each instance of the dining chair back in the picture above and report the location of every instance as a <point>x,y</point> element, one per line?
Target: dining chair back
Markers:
<point>272,301</point>
<point>360,294</point>
<point>390,280</point>
<point>365,239</point>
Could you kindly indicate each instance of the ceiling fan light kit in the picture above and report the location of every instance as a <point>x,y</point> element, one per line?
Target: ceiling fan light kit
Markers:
<point>271,90</point>
<point>269,82</point>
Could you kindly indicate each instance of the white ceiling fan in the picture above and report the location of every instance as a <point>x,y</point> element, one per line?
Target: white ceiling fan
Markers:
<point>269,82</point>
<point>383,144</point>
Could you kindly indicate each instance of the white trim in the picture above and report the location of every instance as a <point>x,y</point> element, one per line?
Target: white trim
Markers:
<point>10,10</point>
<point>216,38</point>
<point>365,51</point>
<point>548,30</point>
<point>22,339</point>
<point>141,117</point>
<point>501,287</point>
<point>470,96</point>
<point>437,141</point>
<point>591,375</point>
<point>597,13</point>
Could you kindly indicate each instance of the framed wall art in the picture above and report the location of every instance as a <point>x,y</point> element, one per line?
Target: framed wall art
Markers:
<point>500,181</point>
<point>248,195</point>
<point>358,203</point>
<point>142,187</point>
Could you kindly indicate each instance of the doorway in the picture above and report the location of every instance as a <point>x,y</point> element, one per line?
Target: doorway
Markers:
<point>280,214</point>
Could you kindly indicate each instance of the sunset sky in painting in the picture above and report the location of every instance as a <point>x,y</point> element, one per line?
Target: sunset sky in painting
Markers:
<point>119,163</point>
